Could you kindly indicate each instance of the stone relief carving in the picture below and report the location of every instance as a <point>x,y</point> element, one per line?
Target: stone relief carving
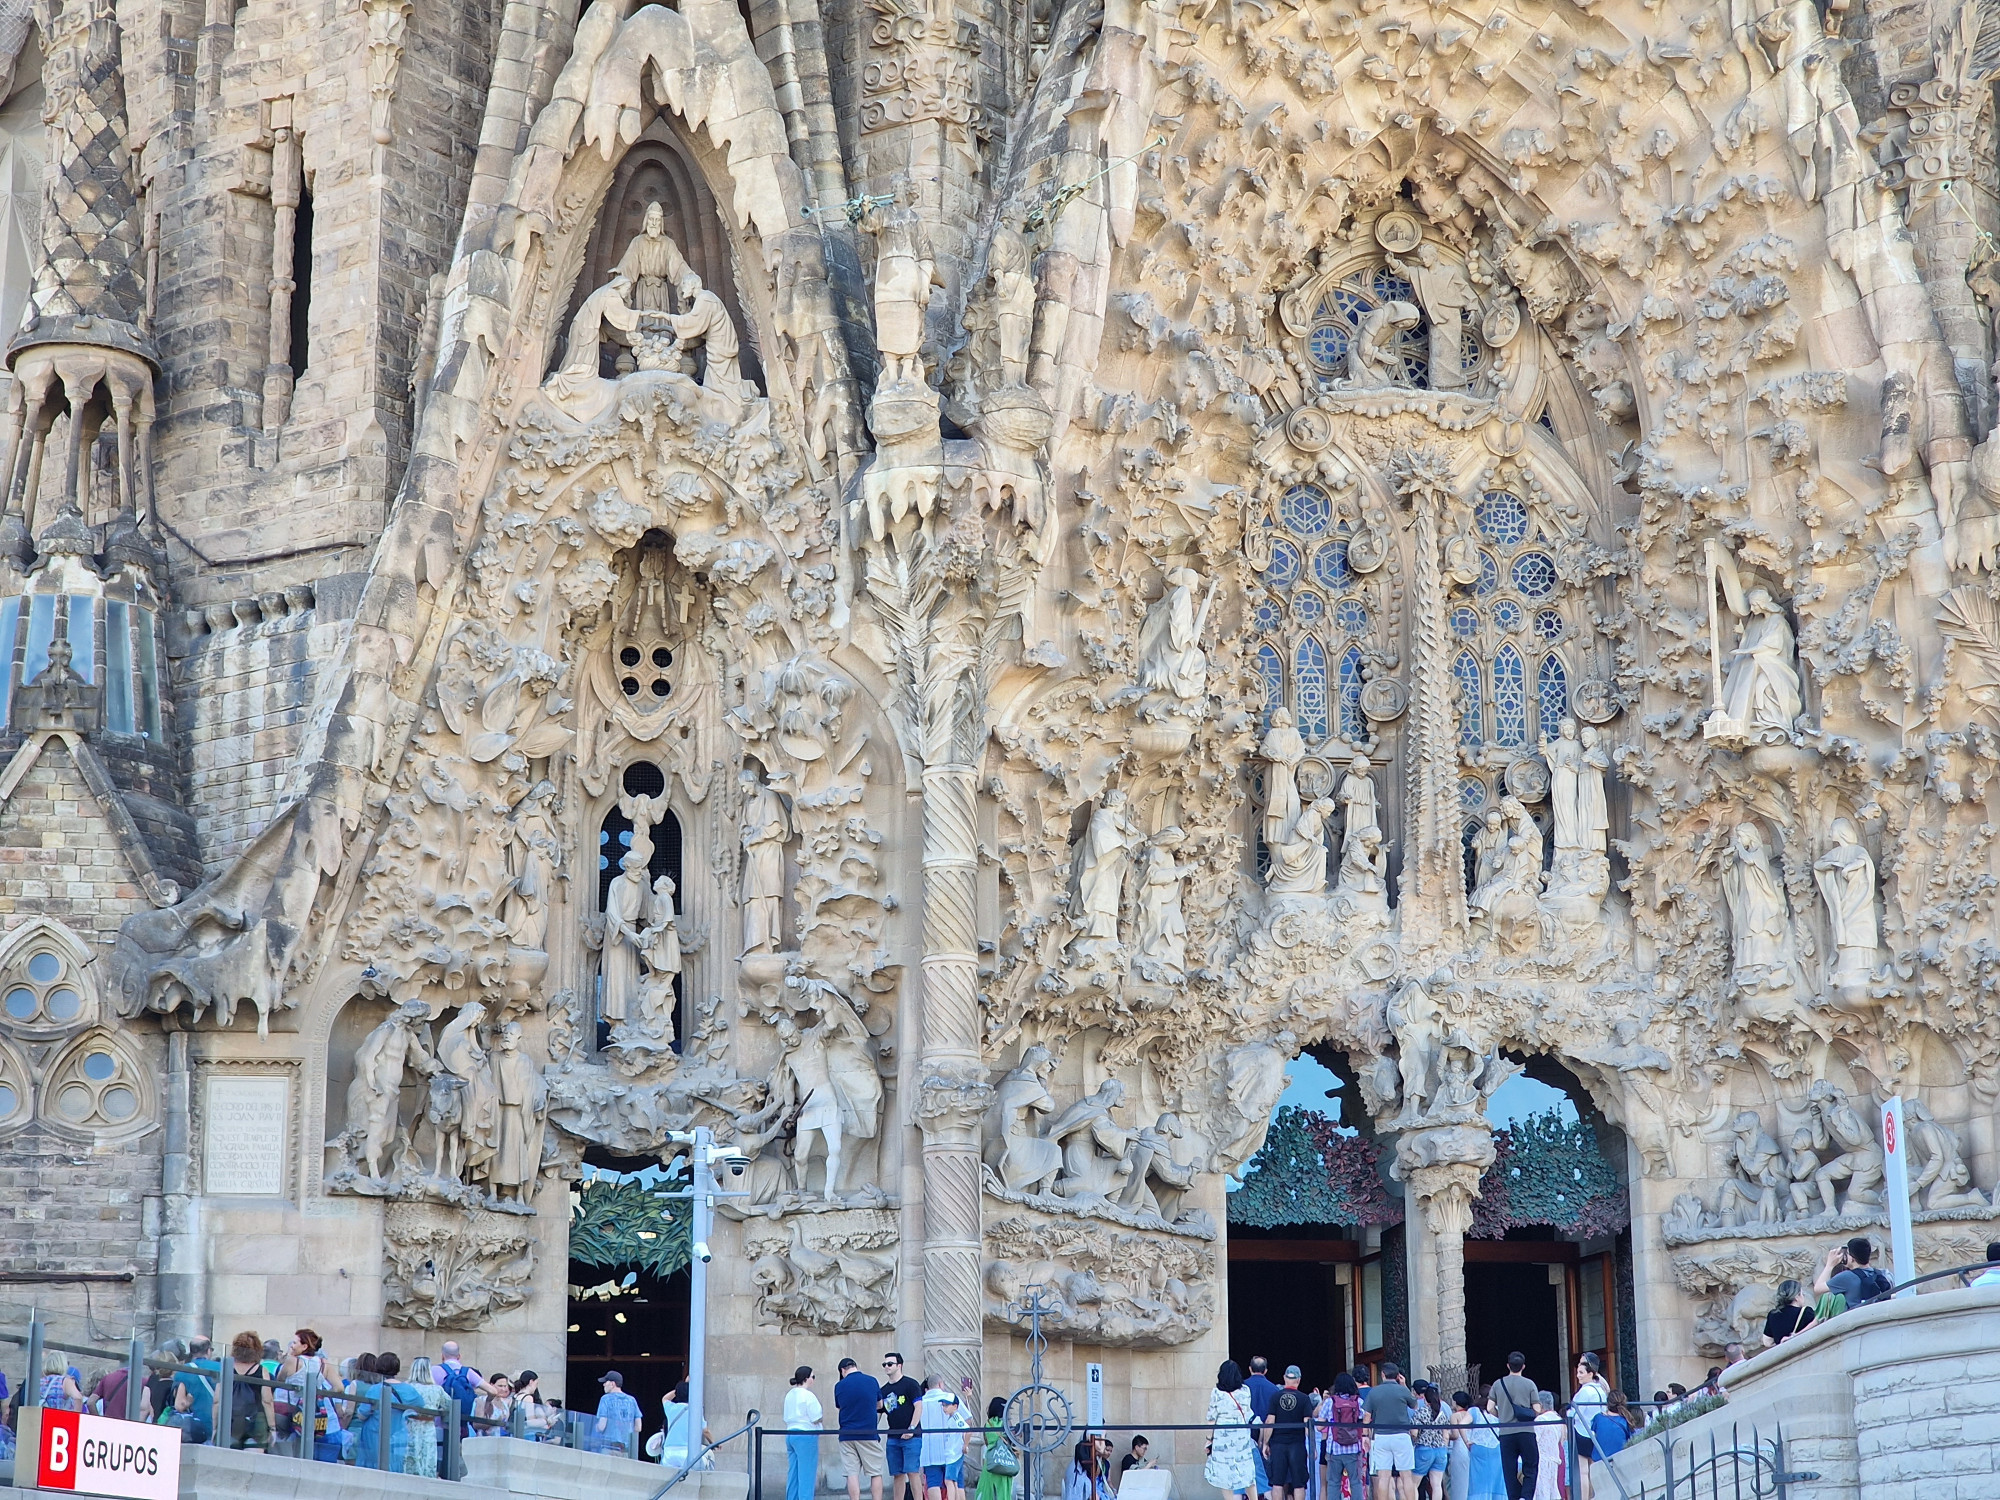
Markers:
<point>447,1270</point>
<point>1126,1289</point>
<point>826,1273</point>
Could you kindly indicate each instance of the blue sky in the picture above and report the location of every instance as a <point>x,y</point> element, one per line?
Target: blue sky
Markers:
<point>1515,1099</point>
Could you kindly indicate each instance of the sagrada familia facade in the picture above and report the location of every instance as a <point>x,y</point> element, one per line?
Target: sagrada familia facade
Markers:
<point>943,586</point>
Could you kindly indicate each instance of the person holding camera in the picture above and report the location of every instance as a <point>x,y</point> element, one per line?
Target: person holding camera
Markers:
<point>1848,1276</point>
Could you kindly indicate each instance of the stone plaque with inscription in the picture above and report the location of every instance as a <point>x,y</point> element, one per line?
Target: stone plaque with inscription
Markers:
<point>246,1133</point>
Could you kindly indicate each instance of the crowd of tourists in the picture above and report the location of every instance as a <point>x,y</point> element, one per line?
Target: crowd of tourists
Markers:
<point>354,1400</point>
<point>1404,1439</point>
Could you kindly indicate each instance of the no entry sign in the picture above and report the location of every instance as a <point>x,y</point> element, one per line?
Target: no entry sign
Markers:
<point>100,1456</point>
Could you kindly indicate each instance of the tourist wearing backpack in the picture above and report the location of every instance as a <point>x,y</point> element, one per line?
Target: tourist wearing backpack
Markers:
<point>1342,1418</point>
<point>1848,1275</point>
<point>461,1382</point>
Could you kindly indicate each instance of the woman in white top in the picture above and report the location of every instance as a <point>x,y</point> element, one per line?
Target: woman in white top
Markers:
<point>802,1419</point>
<point>1548,1447</point>
<point>1593,1392</point>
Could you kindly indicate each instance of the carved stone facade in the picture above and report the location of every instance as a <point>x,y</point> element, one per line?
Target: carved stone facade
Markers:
<point>942,589</point>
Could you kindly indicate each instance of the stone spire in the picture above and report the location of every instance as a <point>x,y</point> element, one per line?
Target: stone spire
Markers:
<point>88,288</point>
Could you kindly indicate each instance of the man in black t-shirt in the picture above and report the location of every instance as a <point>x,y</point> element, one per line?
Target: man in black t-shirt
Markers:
<point>1285,1439</point>
<point>900,1399</point>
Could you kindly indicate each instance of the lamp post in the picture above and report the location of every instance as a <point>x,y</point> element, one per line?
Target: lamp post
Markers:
<point>702,1191</point>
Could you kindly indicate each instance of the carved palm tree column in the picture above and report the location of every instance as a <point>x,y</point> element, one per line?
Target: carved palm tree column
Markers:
<point>952,1091</point>
<point>1433,893</point>
<point>1442,1166</point>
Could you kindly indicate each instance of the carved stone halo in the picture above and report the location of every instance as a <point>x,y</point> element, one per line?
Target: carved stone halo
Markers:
<point>1594,701</point>
<point>1309,429</point>
<point>1528,778</point>
<point>1398,232</point>
<point>1315,778</point>
<point>1367,551</point>
<point>1384,699</point>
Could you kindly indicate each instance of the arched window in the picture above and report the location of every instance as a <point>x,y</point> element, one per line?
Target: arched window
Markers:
<point>1552,694</point>
<point>95,1087</point>
<point>1351,725</point>
<point>1309,691</point>
<point>1313,622</point>
<point>1471,712</point>
<point>1510,698</point>
<point>1271,668</point>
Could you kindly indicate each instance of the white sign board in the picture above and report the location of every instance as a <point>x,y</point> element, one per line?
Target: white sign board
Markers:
<point>245,1135</point>
<point>1146,1484</point>
<point>1093,1397</point>
<point>100,1456</point>
<point>1896,1184</point>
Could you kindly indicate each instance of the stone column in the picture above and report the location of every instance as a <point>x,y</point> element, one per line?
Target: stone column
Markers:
<point>287,189</point>
<point>1442,1166</point>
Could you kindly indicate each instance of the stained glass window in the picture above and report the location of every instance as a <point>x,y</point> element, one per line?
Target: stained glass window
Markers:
<point>1266,615</point>
<point>1510,697</point>
<point>1549,624</point>
<point>1351,615</point>
<point>1535,575</point>
<point>1308,608</point>
<point>1489,575</point>
<point>1352,726</point>
<point>1552,693</point>
<point>1502,517</point>
<point>1330,563</point>
<point>1508,615</point>
<point>1271,667</point>
<point>1471,717</point>
<point>1309,691</point>
<point>1465,622</point>
<point>1284,568</point>
<point>1306,509</point>
<point>1471,794</point>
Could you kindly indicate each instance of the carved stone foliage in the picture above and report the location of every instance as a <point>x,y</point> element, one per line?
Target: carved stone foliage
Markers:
<point>449,1270</point>
<point>825,1273</point>
<point>1131,1289</point>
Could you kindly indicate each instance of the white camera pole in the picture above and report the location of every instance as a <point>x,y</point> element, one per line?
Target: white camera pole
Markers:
<point>700,1195</point>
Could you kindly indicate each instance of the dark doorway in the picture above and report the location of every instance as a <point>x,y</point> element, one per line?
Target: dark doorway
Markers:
<point>1291,1312</point>
<point>640,1329</point>
<point>1512,1306</point>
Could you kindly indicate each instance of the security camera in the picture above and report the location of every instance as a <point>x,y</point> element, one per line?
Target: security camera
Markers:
<point>702,1253</point>
<point>737,1162</point>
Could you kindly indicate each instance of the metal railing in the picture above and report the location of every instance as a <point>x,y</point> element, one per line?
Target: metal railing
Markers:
<point>695,1462</point>
<point>1758,1470</point>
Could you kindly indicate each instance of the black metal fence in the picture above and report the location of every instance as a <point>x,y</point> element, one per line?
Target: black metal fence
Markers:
<point>1711,1469</point>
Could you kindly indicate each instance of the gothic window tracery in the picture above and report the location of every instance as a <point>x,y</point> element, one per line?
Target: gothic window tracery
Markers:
<point>1344,306</point>
<point>41,986</point>
<point>95,1087</point>
<point>1314,622</point>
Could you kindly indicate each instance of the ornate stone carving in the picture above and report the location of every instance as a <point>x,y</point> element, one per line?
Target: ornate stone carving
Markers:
<point>1126,1289</point>
<point>445,1269</point>
<point>830,1273</point>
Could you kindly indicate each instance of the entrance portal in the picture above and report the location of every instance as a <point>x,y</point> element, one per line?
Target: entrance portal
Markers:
<point>1514,1304</point>
<point>1290,1301</point>
<point>628,1284</point>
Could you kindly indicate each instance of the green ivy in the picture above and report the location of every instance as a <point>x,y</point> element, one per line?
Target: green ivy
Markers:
<point>1310,1173</point>
<point>1550,1170</point>
<point>616,1225</point>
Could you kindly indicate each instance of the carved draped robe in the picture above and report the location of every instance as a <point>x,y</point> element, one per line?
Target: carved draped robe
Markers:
<point>656,266</point>
<point>624,911</point>
<point>521,1096</point>
<point>1761,692</point>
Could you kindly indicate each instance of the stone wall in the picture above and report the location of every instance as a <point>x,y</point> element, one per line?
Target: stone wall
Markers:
<point>1892,1402</point>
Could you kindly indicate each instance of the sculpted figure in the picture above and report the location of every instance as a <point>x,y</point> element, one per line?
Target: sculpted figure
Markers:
<point>521,1100</point>
<point>1417,1020</point>
<point>1364,872</point>
<point>1489,864</point>
<point>707,322</point>
<point>1154,1181</point>
<point>1011,264</point>
<point>1759,699</point>
<point>827,1074</point>
<point>765,828</point>
<point>625,902</point>
<point>1022,1159</point>
<point>1759,919</point>
<point>1162,938</point>
<point>1372,356</point>
<point>1846,878</point>
<point>1283,748</point>
<point>535,853</point>
<point>1858,1159</point>
<point>467,1137</point>
<point>1357,795</point>
<point>385,1054</point>
<point>608,304</point>
<point>1755,1197</point>
<point>1107,849</point>
<point>1170,656</point>
<point>1944,1180</point>
<point>1298,865</point>
<point>1801,1163</point>
<point>1093,1144</point>
<point>1253,1076</point>
<point>653,264</point>
<point>1446,293</point>
<point>905,272</point>
<point>1576,788</point>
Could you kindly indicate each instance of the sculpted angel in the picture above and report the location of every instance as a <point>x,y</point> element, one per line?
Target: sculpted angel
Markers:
<point>1846,878</point>
<point>1758,696</point>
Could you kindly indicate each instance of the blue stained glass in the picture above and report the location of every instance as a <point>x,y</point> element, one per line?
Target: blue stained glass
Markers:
<point>1311,705</point>
<point>1549,624</point>
<point>1351,724</point>
<point>1471,794</point>
<point>1503,517</point>
<point>1342,304</point>
<point>1545,420</point>
<point>1465,622</point>
<point>1552,694</point>
<point>1535,575</point>
<point>1389,287</point>
<point>1284,567</point>
<point>1468,352</point>
<point>1271,667</point>
<point>1330,563</point>
<point>1308,608</point>
<point>1489,575</point>
<point>1351,615</point>
<point>1508,615</point>
<point>1471,717</point>
<point>1510,697</point>
<point>1306,509</point>
<point>1326,346</point>
<point>1266,616</point>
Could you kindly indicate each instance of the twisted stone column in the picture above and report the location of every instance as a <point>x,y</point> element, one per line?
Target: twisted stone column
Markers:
<point>1442,1166</point>
<point>952,1088</point>
<point>1433,894</point>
